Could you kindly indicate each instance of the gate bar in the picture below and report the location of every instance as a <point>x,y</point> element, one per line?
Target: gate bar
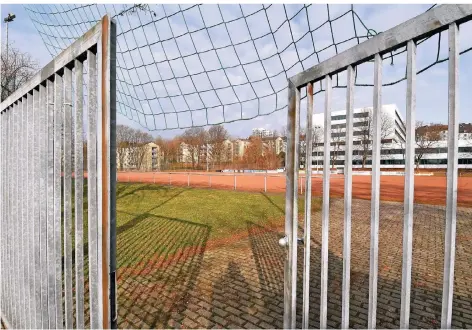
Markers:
<point>92,187</point>
<point>58,109</point>
<point>52,304</point>
<point>2,218</point>
<point>291,207</point>
<point>347,198</point>
<point>417,28</point>
<point>325,207</point>
<point>409,192</point>
<point>452,155</point>
<point>16,243</point>
<point>307,224</point>
<point>79,195</point>
<point>67,154</point>
<point>375,193</point>
<point>30,253</point>
<point>43,191</point>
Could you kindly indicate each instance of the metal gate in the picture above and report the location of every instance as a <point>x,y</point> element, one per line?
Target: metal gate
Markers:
<point>445,17</point>
<point>43,268</point>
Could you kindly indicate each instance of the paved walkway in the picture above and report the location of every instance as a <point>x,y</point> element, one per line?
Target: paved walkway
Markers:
<point>239,284</point>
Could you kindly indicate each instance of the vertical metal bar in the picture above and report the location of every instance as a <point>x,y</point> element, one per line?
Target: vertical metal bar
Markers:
<point>108,166</point>
<point>291,206</point>
<point>8,211</point>
<point>43,205</point>
<point>58,109</point>
<point>15,247</point>
<point>451,193</point>
<point>409,192</point>
<point>26,223</point>
<point>14,217</point>
<point>37,219</point>
<point>325,206</point>
<point>235,182</point>
<point>170,180</point>
<point>24,209</point>
<point>210,179</point>
<point>307,224</point>
<point>30,252</point>
<point>10,222</point>
<point>52,303</point>
<point>375,193</point>
<point>101,180</point>
<point>79,195</point>
<point>188,179</point>
<point>67,156</point>
<point>2,218</point>
<point>347,198</point>
<point>92,189</point>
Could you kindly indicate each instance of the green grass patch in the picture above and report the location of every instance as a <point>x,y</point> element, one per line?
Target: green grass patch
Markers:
<point>159,220</point>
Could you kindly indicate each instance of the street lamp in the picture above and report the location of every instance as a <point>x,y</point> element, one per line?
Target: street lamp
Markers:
<point>7,20</point>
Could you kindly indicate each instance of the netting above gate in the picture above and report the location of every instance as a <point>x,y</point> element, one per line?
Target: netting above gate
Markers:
<point>180,66</point>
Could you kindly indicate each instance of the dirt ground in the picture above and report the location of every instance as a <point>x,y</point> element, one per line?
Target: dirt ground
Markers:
<point>428,189</point>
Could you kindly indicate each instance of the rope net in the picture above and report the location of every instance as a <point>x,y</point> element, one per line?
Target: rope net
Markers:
<point>181,66</point>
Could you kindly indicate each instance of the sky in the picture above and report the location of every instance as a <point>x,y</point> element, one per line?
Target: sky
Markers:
<point>152,57</point>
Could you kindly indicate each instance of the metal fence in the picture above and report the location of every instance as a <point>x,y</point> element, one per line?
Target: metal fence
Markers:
<point>259,181</point>
<point>441,18</point>
<point>43,255</point>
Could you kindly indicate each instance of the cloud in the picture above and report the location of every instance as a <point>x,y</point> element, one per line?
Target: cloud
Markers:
<point>205,58</point>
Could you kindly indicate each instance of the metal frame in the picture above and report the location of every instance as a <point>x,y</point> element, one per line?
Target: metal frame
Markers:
<point>36,129</point>
<point>406,34</point>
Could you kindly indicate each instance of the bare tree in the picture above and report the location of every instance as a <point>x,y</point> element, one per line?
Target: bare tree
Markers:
<point>426,138</point>
<point>170,151</point>
<point>217,135</point>
<point>317,135</point>
<point>123,141</point>
<point>337,141</point>
<point>195,138</point>
<point>138,148</point>
<point>17,68</point>
<point>365,134</point>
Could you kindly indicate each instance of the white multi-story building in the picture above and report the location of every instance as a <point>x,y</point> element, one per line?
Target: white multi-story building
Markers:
<point>393,136</point>
<point>262,132</point>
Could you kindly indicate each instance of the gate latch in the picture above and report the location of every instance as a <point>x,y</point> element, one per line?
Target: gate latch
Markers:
<point>284,241</point>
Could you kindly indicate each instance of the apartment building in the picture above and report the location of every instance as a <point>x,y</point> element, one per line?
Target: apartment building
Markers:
<point>262,132</point>
<point>143,158</point>
<point>393,137</point>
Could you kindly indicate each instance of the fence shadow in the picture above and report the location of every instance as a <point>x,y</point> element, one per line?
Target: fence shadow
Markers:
<point>159,259</point>
<point>426,295</point>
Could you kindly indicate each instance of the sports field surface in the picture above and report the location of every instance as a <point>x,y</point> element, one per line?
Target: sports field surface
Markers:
<point>209,258</point>
<point>428,189</point>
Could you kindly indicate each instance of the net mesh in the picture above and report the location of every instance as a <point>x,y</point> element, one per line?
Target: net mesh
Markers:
<point>181,66</point>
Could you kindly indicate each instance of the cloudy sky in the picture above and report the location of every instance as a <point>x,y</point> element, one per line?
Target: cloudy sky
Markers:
<point>179,66</point>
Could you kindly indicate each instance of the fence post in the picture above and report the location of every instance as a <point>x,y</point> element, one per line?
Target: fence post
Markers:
<point>188,179</point>
<point>154,177</point>
<point>234,181</point>
<point>210,179</point>
<point>265,183</point>
<point>170,180</point>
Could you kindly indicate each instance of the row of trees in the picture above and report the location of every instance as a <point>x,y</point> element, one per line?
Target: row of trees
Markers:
<point>211,149</point>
